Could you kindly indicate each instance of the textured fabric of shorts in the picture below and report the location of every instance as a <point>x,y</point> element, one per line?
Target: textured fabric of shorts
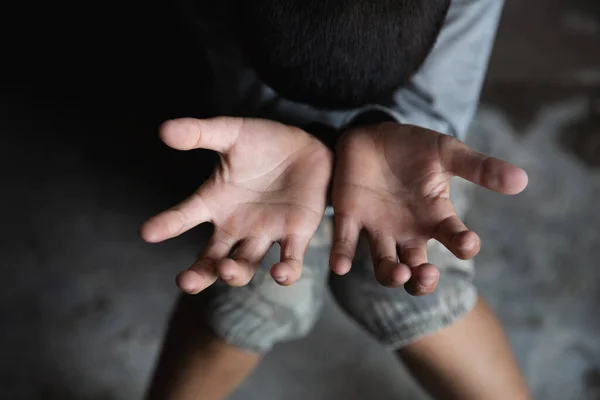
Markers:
<point>258,316</point>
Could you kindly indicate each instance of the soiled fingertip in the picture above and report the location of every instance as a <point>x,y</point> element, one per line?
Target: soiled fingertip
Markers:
<point>227,269</point>
<point>190,282</point>
<point>428,275</point>
<point>284,274</point>
<point>232,273</point>
<point>340,265</point>
<point>424,280</point>
<point>401,274</point>
<point>393,275</point>
<point>466,245</point>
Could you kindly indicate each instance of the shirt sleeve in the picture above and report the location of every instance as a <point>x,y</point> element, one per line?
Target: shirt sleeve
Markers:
<point>444,94</point>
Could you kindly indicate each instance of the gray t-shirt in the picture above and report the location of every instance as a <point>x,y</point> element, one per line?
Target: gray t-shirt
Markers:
<point>442,96</point>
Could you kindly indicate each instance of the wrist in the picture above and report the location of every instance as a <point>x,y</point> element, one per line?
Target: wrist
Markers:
<point>372,116</point>
<point>329,135</point>
<point>325,133</point>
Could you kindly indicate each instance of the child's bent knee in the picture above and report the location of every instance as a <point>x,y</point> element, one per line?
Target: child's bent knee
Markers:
<point>262,314</point>
<point>394,317</point>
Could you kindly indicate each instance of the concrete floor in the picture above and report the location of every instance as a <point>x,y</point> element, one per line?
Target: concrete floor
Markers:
<point>83,302</point>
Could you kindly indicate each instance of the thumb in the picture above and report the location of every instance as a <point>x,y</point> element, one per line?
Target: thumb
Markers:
<point>218,134</point>
<point>488,172</point>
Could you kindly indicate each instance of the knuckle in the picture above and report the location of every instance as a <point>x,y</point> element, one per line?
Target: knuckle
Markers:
<point>385,259</point>
<point>204,267</point>
<point>343,246</point>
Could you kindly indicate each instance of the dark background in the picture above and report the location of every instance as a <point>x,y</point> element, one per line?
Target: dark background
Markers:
<point>83,302</point>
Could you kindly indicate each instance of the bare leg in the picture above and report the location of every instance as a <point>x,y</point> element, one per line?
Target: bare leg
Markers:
<point>470,360</point>
<point>196,365</point>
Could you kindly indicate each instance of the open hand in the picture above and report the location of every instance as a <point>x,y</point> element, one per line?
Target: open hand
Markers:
<point>270,186</point>
<point>393,181</point>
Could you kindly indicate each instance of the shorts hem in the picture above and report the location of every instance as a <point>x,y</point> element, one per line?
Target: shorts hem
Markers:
<point>428,326</point>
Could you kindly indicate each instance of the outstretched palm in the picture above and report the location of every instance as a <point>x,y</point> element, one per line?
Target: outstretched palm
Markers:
<point>394,182</point>
<point>270,186</point>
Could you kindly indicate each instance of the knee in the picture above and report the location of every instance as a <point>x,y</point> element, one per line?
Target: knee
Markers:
<point>255,319</point>
<point>395,318</point>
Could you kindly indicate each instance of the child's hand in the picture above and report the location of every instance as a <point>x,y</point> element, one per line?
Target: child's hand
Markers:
<point>394,181</point>
<point>270,186</point>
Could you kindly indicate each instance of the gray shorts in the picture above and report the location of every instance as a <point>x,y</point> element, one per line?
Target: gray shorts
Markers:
<point>257,316</point>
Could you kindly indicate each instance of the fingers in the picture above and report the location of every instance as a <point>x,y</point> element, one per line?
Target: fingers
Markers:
<point>413,253</point>
<point>218,134</point>
<point>388,271</point>
<point>346,236</point>
<point>488,172</point>
<point>423,281</point>
<point>203,273</point>
<point>239,270</point>
<point>457,238</point>
<point>424,276</point>
<point>177,220</point>
<point>289,269</point>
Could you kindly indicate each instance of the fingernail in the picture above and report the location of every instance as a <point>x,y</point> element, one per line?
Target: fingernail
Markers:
<point>281,279</point>
<point>226,277</point>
